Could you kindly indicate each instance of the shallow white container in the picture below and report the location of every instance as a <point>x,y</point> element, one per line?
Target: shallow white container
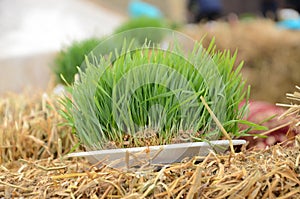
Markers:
<point>162,154</point>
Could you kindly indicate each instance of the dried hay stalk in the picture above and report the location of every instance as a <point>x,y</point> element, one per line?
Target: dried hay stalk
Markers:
<point>294,109</point>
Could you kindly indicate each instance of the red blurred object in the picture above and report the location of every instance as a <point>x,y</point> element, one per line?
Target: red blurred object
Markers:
<point>267,114</point>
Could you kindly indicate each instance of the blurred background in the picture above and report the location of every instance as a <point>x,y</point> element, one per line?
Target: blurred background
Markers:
<point>266,33</point>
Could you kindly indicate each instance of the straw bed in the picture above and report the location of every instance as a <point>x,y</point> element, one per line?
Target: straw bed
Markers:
<point>29,128</point>
<point>33,165</point>
<point>265,174</point>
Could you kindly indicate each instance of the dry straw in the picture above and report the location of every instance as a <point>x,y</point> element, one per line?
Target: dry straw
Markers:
<point>29,128</point>
<point>273,173</point>
<point>24,172</point>
<point>294,109</point>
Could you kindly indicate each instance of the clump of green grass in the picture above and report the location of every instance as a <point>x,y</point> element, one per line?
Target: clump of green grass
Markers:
<point>150,96</point>
<point>140,23</point>
<point>68,59</point>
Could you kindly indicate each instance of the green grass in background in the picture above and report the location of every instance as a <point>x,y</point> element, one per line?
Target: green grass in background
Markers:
<point>68,59</point>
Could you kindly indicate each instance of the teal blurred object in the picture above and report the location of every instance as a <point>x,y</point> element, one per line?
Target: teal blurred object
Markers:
<point>138,8</point>
<point>291,24</point>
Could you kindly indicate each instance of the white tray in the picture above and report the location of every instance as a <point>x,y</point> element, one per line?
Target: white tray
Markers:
<point>162,154</point>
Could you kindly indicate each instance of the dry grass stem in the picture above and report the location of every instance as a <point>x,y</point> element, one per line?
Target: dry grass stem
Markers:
<point>218,123</point>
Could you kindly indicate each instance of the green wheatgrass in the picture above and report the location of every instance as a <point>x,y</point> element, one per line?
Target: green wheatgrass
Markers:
<point>149,96</point>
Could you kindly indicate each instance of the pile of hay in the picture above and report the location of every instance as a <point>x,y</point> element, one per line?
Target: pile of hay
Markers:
<point>32,165</point>
<point>30,128</point>
<point>272,173</point>
<point>271,54</point>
